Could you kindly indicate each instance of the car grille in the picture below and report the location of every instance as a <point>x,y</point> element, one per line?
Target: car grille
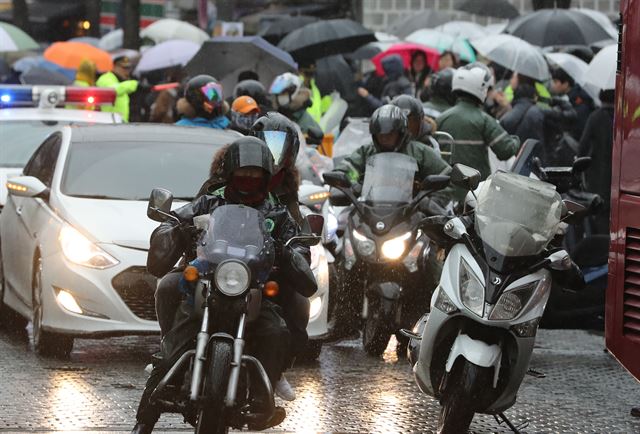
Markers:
<point>631,305</point>
<point>137,287</point>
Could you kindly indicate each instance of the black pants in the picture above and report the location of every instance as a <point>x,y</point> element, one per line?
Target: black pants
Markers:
<point>267,338</point>
<point>168,299</point>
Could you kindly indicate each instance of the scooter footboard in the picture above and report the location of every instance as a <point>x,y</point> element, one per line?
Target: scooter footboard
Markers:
<point>476,352</point>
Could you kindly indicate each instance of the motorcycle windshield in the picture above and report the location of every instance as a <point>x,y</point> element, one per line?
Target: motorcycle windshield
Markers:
<point>388,178</point>
<point>236,232</point>
<point>516,216</point>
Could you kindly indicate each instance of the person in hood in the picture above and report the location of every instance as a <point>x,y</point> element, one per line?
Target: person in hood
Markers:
<point>203,104</point>
<point>395,83</point>
<point>85,77</point>
<point>292,99</point>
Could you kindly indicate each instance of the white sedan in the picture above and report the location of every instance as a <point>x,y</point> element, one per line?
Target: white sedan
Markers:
<point>74,234</point>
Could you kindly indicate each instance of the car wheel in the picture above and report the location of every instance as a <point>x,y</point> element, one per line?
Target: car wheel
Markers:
<point>9,319</point>
<point>46,343</point>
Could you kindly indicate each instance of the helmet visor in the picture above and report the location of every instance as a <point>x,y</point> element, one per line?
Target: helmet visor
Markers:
<point>276,141</point>
<point>212,92</point>
<point>279,85</point>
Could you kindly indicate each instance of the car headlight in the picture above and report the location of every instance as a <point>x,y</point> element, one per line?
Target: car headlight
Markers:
<point>315,307</point>
<point>79,250</point>
<point>395,247</point>
<point>232,278</point>
<point>511,302</point>
<point>364,245</point>
<point>471,289</point>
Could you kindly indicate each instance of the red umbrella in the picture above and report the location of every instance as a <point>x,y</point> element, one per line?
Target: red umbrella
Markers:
<point>406,50</point>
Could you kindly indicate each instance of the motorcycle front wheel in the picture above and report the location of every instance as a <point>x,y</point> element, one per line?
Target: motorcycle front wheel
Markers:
<point>459,399</point>
<point>377,331</point>
<point>211,416</point>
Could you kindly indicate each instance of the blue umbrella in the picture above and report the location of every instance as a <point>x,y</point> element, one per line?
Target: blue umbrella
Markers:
<point>225,57</point>
<point>26,63</point>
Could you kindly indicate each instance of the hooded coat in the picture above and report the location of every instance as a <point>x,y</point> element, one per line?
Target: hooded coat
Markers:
<point>396,83</point>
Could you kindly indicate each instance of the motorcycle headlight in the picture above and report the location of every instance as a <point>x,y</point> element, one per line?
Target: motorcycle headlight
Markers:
<point>471,289</point>
<point>79,250</point>
<point>232,278</point>
<point>511,302</point>
<point>395,247</point>
<point>364,245</point>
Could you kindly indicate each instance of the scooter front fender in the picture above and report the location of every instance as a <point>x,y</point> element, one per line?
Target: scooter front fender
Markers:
<point>476,352</point>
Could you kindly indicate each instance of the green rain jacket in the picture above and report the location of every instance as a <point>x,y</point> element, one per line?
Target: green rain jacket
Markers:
<point>473,131</point>
<point>123,90</point>
<point>319,104</point>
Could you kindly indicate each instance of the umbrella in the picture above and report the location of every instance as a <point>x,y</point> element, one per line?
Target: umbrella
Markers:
<point>14,39</point>
<point>572,65</point>
<point>324,38</point>
<point>40,75</point>
<point>514,54</point>
<point>601,72</point>
<point>168,28</point>
<point>367,51</point>
<point>428,18</point>
<point>462,29</point>
<point>70,54</point>
<point>333,73</point>
<point>25,64</point>
<point>443,42</point>
<point>167,54</point>
<point>225,57</point>
<point>602,19</point>
<point>280,28</point>
<point>551,27</point>
<point>406,50</point>
<point>494,29</point>
<point>87,40</point>
<point>112,40</point>
<point>489,8</point>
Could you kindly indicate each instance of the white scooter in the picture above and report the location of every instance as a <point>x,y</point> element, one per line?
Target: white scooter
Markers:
<point>472,350</point>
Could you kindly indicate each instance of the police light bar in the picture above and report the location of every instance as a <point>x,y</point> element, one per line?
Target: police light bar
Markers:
<point>45,96</point>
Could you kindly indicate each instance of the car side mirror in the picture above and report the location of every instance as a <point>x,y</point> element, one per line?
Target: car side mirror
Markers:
<point>465,177</point>
<point>27,186</point>
<point>435,182</point>
<point>159,207</point>
<point>316,223</point>
<point>573,212</point>
<point>580,165</point>
<point>338,198</point>
<point>336,179</point>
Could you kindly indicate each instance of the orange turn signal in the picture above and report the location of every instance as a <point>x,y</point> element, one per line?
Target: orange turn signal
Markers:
<point>191,273</point>
<point>271,288</point>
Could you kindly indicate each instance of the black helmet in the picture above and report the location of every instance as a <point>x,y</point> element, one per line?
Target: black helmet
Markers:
<point>204,94</point>
<point>281,136</point>
<point>252,88</point>
<point>441,85</point>
<point>387,120</point>
<point>244,154</point>
<point>409,104</point>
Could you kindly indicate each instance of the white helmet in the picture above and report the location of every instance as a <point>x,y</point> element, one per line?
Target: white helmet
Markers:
<point>474,79</point>
<point>285,88</point>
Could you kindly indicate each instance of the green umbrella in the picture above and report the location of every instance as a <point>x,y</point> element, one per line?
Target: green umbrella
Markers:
<point>14,39</point>
<point>443,42</point>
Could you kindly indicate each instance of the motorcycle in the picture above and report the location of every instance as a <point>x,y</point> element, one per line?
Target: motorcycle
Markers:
<point>213,384</point>
<point>383,250</point>
<point>472,350</point>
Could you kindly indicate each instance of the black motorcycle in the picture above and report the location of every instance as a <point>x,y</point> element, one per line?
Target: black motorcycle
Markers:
<point>213,385</point>
<point>384,253</point>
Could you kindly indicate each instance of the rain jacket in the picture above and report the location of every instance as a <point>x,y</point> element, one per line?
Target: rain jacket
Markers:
<point>297,111</point>
<point>220,123</point>
<point>435,107</point>
<point>473,132</point>
<point>123,90</point>
<point>319,104</point>
<point>543,94</point>
<point>525,120</point>
<point>395,82</point>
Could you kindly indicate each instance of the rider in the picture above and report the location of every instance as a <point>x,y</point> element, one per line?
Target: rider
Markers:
<point>248,167</point>
<point>244,112</point>
<point>474,131</point>
<point>441,98</point>
<point>255,90</point>
<point>203,104</point>
<point>292,100</point>
<point>420,127</point>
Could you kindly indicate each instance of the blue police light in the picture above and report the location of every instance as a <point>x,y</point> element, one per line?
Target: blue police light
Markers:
<point>16,95</point>
<point>5,98</point>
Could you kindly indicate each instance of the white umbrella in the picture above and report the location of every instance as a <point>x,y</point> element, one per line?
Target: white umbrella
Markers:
<point>601,72</point>
<point>167,54</point>
<point>463,29</point>
<point>494,29</point>
<point>572,65</point>
<point>513,53</point>
<point>112,40</point>
<point>168,28</point>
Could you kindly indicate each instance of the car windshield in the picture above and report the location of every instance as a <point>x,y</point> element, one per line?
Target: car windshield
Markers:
<point>129,170</point>
<point>388,178</point>
<point>20,139</point>
<point>516,215</point>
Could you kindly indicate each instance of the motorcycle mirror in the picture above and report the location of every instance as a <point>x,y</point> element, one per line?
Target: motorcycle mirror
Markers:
<point>573,212</point>
<point>435,182</point>
<point>338,198</point>
<point>316,223</point>
<point>559,260</point>
<point>159,206</point>
<point>336,179</point>
<point>465,176</point>
<point>580,165</point>
<point>305,240</point>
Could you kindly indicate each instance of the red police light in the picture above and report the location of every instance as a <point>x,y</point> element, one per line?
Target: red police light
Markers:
<point>90,95</point>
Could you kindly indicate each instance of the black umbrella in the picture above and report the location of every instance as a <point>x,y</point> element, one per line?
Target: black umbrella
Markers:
<point>489,8</point>
<point>367,51</point>
<point>333,73</point>
<point>553,27</point>
<point>37,75</point>
<point>426,19</point>
<point>325,38</point>
<point>282,27</point>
